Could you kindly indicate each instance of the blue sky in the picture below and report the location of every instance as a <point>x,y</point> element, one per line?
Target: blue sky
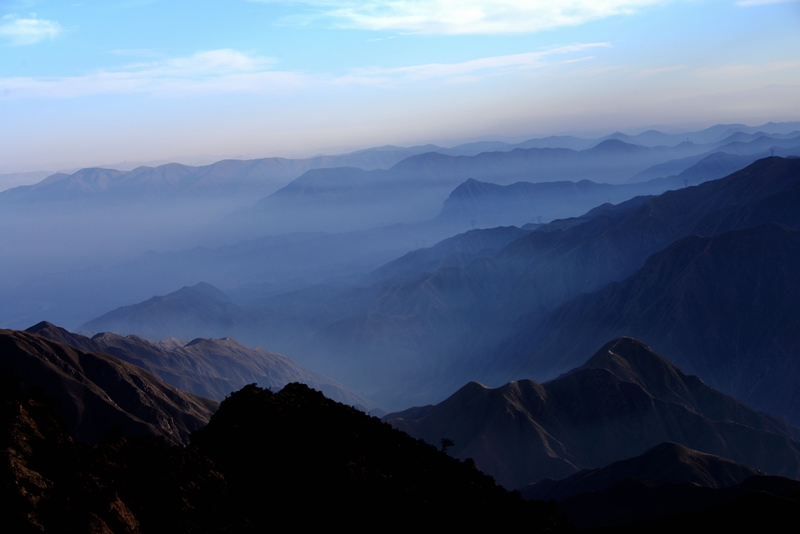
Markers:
<point>88,83</point>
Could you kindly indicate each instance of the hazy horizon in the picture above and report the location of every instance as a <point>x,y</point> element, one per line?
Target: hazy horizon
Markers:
<point>94,83</point>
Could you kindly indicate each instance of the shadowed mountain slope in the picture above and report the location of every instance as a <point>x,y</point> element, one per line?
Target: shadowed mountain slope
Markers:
<point>665,463</point>
<point>342,463</point>
<point>623,401</point>
<point>209,367</point>
<point>456,251</point>
<point>101,394</point>
<point>180,314</point>
<point>264,454</point>
<point>457,317</point>
<point>759,504</point>
<point>725,308</point>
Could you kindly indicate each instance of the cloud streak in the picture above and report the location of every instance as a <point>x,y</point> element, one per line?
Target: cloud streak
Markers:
<point>754,3</point>
<point>204,73</point>
<point>469,16</point>
<point>21,32</point>
<point>229,71</point>
<point>471,70</point>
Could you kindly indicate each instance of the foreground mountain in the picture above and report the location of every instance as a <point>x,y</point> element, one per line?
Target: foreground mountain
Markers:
<point>263,455</point>
<point>621,402</point>
<point>101,395</point>
<point>673,488</point>
<point>208,367</point>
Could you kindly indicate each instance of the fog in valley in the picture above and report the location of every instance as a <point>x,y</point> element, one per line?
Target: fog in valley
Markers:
<point>379,268</point>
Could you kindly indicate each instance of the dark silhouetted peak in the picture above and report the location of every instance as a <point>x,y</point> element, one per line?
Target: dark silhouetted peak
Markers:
<point>633,361</point>
<point>624,401</point>
<point>61,335</point>
<point>341,462</point>
<point>665,463</point>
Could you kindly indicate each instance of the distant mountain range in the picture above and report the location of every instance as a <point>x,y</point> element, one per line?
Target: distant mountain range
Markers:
<point>444,316</point>
<point>345,199</point>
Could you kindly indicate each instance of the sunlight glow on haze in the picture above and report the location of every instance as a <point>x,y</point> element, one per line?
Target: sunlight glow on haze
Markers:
<point>101,82</point>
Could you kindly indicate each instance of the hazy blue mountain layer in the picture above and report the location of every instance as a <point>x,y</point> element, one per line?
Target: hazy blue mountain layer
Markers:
<point>723,307</point>
<point>425,326</point>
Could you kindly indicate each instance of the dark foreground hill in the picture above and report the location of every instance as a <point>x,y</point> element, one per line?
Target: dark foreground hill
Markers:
<point>665,463</point>
<point>623,401</point>
<point>673,485</point>
<point>100,394</point>
<point>293,457</point>
<point>759,504</point>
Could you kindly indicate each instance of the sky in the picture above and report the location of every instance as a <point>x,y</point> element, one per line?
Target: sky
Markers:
<point>91,83</point>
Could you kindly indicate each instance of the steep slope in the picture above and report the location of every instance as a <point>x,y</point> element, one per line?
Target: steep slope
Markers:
<point>343,462</point>
<point>623,401</point>
<point>449,325</point>
<point>737,328</point>
<point>264,455</point>
<point>456,251</point>
<point>100,394</point>
<point>186,311</point>
<point>208,367</point>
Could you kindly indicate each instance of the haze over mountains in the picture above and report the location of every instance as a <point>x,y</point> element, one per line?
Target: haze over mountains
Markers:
<point>471,282</point>
<point>67,229</point>
<point>440,322</point>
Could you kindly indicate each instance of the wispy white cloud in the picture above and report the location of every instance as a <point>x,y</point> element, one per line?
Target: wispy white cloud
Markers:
<point>136,52</point>
<point>748,70</point>
<point>230,71</point>
<point>468,16</point>
<point>210,72</point>
<point>661,70</point>
<point>21,31</point>
<point>465,71</point>
<point>753,3</point>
